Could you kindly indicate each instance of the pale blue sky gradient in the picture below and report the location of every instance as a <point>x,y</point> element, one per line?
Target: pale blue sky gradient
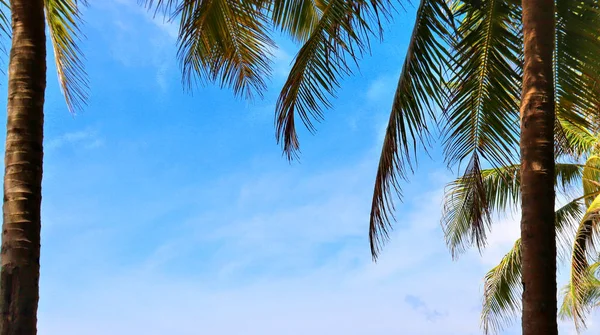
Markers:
<point>171,213</point>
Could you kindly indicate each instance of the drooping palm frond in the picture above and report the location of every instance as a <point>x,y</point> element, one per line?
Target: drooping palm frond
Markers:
<point>462,219</point>
<point>5,27</point>
<point>418,94</point>
<point>481,119</point>
<point>222,41</point>
<point>340,37</point>
<point>64,20</point>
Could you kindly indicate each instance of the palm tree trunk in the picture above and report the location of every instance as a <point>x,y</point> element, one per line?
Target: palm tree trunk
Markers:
<point>537,171</point>
<point>19,277</point>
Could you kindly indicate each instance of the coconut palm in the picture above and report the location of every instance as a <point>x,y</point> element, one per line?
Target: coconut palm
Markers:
<point>499,59</point>
<point>502,288</point>
<point>19,276</point>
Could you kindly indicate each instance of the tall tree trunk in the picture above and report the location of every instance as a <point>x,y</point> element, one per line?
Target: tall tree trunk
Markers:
<point>537,171</point>
<point>19,277</point>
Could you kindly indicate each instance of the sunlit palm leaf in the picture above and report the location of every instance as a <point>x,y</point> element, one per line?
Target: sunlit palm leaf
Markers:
<point>340,38</point>
<point>578,302</point>
<point>583,246</point>
<point>418,94</point>
<point>64,19</point>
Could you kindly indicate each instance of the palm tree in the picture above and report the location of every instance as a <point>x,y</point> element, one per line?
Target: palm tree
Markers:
<point>492,52</point>
<point>19,276</point>
<point>502,54</point>
<point>502,287</point>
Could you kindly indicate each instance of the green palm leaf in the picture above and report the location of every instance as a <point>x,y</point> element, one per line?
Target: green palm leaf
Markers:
<point>340,37</point>
<point>64,19</point>
<point>419,91</point>
<point>578,302</point>
<point>577,294</point>
<point>502,291</point>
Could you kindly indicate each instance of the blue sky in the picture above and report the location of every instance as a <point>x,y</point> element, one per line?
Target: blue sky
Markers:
<point>171,213</point>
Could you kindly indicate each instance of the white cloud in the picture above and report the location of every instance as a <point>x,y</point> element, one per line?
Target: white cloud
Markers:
<point>383,88</point>
<point>282,62</point>
<point>286,254</point>
<point>88,139</point>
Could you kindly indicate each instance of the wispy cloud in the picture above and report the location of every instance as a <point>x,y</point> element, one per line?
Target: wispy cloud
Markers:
<point>88,139</point>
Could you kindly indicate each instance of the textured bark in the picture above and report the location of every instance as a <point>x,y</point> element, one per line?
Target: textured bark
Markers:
<point>19,277</point>
<point>537,171</point>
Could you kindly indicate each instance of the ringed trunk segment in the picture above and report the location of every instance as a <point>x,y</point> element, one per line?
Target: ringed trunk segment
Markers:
<point>19,276</point>
<point>537,171</point>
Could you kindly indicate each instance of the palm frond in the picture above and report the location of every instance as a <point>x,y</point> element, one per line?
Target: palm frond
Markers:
<point>481,116</point>
<point>419,91</point>
<point>502,284</point>
<point>567,219</point>
<point>466,217</point>
<point>5,27</point>
<point>64,20</point>
<point>573,139</point>
<point>222,41</point>
<point>502,292</point>
<point>297,17</point>
<point>341,36</point>
<point>577,302</point>
<point>483,112</point>
<point>583,246</point>
<point>591,177</point>
<point>576,65</point>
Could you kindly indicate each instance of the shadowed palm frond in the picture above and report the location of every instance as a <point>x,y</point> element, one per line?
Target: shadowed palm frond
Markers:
<point>340,38</point>
<point>64,20</point>
<point>222,41</point>
<point>573,139</point>
<point>5,27</point>
<point>419,92</point>
<point>576,62</point>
